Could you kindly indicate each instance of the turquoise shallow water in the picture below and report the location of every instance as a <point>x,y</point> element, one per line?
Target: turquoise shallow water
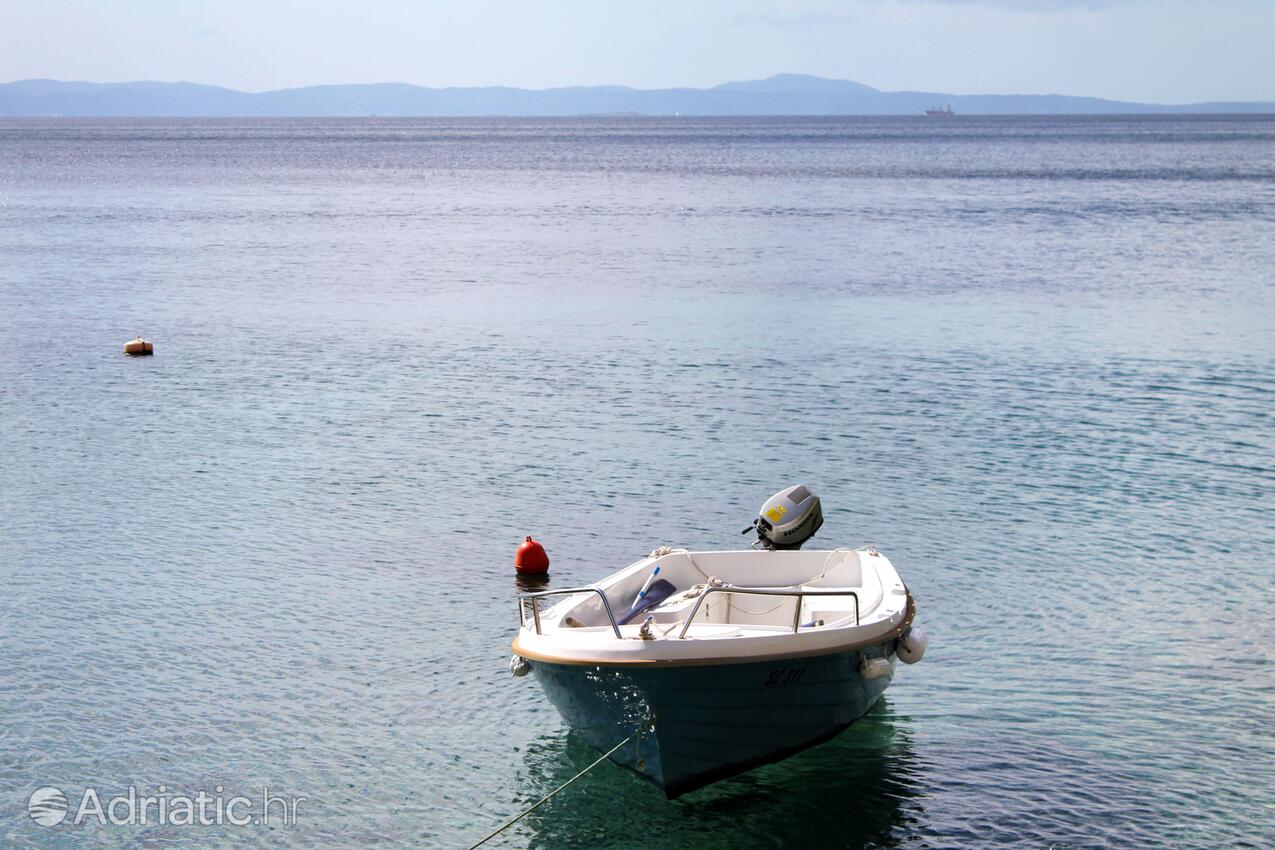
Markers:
<point>1030,359</point>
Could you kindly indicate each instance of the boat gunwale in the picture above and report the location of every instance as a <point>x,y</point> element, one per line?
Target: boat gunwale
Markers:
<point>718,660</point>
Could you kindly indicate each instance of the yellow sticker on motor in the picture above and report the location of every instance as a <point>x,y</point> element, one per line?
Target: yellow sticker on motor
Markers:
<point>776,513</point>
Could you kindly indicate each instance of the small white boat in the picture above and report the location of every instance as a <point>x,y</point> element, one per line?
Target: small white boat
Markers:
<point>716,662</point>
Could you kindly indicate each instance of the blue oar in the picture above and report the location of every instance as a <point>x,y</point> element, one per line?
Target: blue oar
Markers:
<point>646,587</point>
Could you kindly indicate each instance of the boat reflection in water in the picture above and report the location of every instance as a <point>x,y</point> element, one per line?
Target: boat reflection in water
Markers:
<point>857,790</point>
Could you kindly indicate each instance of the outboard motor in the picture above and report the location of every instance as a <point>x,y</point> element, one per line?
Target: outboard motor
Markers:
<point>788,519</point>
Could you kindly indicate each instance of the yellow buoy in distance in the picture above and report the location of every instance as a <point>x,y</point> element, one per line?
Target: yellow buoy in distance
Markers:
<point>139,346</point>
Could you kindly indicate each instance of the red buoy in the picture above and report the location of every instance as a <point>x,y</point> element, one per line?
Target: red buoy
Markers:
<point>531,557</point>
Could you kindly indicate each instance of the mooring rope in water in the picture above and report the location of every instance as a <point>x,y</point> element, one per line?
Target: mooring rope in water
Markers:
<point>546,797</point>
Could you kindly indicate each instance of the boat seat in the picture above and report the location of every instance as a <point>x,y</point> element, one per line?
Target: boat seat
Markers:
<point>655,594</point>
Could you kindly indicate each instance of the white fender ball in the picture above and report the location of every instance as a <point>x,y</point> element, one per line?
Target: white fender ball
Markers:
<point>912,645</point>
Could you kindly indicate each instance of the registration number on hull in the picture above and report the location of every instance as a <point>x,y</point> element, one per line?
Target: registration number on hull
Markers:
<point>783,677</point>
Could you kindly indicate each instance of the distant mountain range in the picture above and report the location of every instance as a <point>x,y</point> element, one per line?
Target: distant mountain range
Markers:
<point>784,94</point>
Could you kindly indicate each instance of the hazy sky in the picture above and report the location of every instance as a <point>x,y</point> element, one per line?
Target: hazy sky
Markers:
<point>1148,50</point>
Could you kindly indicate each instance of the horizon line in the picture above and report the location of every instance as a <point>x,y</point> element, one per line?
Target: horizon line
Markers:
<point>705,88</point>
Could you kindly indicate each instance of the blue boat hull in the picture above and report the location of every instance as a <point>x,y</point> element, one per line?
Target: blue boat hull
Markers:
<point>701,724</point>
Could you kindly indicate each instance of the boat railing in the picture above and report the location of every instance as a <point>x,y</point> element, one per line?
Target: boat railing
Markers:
<point>768,591</point>
<point>800,594</point>
<point>534,599</point>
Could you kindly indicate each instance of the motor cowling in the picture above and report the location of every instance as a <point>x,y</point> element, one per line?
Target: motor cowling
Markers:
<point>789,518</point>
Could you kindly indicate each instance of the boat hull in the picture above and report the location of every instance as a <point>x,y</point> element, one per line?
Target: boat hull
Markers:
<point>703,723</point>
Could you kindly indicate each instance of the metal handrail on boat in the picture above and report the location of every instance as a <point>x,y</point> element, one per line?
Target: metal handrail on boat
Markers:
<point>535,606</point>
<point>759,591</point>
<point>535,598</point>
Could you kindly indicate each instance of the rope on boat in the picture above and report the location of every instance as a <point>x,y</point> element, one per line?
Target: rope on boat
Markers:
<point>661,551</point>
<point>550,795</point>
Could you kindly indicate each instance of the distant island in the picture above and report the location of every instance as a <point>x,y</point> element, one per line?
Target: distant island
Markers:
<point>783,94</point>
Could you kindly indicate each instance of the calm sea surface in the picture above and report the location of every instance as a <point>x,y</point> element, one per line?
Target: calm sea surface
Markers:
<point>1031,359</point>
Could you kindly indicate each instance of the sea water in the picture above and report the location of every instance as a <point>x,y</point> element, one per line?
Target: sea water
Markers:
<point>1031,359</point>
